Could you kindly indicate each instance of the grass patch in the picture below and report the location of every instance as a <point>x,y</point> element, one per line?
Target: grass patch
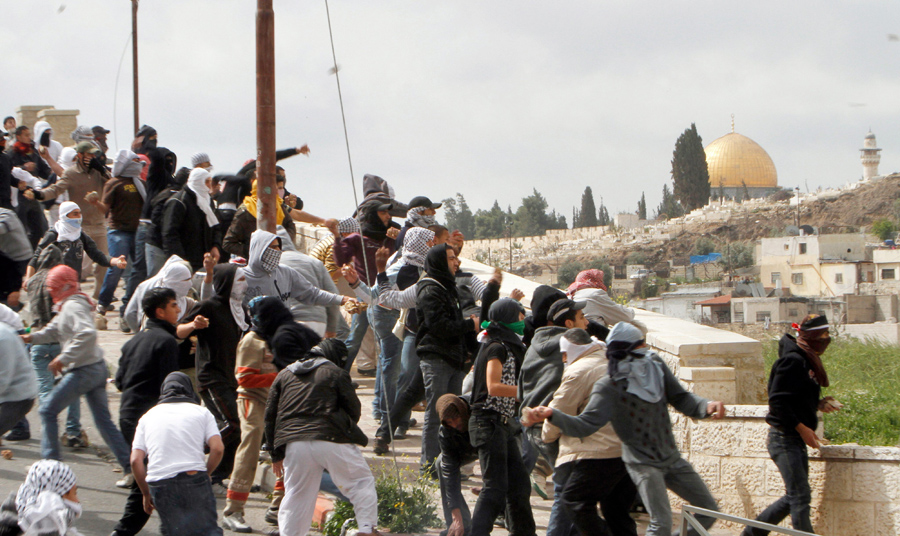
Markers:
<point>865,377</point>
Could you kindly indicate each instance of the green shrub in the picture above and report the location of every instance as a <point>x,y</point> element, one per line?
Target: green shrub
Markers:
<point>406,503</point>
<point>864,377</point>
<point>636,257</point>
<point>704,246</point>
<point>884,229</point>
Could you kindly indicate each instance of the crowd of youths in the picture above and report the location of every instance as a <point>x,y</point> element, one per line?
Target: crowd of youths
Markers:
<point>240,345</point>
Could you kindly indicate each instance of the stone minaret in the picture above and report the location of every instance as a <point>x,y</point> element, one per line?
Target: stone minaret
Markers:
<point>870,155</point>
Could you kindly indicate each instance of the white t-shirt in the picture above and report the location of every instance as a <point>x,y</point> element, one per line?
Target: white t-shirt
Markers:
<point>173,435</point>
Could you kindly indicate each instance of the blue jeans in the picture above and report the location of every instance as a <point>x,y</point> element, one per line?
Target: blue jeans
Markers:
<point>387,374</point>
<point>90,381</point>
<point>679,477</point>
<point>186,505</point>
<point>788,451</point>
<point>120,243</point>
<point>409,369</point>
<point>440,378</point>
<point>41,356</point>
<point>358,328</point>
<point>155,258</point>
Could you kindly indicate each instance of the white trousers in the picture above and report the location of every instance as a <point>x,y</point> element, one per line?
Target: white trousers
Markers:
<point>318,327</point>
<point>303,465</point>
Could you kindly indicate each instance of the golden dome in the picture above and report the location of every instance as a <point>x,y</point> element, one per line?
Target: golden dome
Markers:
<point>734,160</point>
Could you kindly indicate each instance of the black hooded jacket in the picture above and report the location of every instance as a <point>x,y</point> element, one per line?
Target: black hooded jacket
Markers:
<point>442,328</point>
<point>793,391</point>
<point>185,231</point>
<point>147,358</point>
<point>269,314</point>
<point>544,296</point>
<point>217,345</point>
<point>159,175</point>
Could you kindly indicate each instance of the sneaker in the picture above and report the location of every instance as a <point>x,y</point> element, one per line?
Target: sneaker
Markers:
<point>419,407</point>
<point>235,523</point>
<point>219,490</point>
<point>78,442</point>
<point>413,422</point>
<point>127,482</point>
<point>381,447</point>
<point>103,309</point>
<point>18,435</point>
<point>271,515</point>
<point>400,432</point>
<point>370,373</point>
<point>355,385</point>
<point>123,326</point>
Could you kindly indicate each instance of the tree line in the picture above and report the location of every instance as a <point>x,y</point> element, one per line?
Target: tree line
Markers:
<point>691,190</point>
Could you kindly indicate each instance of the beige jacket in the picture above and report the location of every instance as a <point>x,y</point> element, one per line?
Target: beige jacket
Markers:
<point>571,397</point>
<point>79,183</point>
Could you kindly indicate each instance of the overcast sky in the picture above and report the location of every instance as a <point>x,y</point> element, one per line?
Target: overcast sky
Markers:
<point>490,99</point>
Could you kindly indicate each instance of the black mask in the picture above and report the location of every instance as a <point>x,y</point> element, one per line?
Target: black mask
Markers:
<point>150,144</point>
<point>45,139</point>
<point>97,164</point>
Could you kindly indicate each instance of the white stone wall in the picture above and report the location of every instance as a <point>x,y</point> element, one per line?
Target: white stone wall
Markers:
<point>855,489</point>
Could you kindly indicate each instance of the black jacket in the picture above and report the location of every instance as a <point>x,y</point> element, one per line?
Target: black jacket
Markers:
<point>146,361</point>
<point>793,391</point>
<point>312,400</point>
<point>216,355</point>
<point>456,451</point>
<point>6,181</point>
<point>185,232</point>
<point>72,250</point>
<point>157,211</point>
<point>442,328</point>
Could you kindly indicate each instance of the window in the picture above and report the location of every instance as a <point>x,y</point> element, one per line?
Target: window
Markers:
<point>887,273</point>
<point>739,317</point>
<point>776,277</point>
<point>803,248</point>
<point>838,278</point>
<point>793,313</point>
<point>870,277</point>
<point>787,247</point>
<point>762,316</point>
<point>797,279</point>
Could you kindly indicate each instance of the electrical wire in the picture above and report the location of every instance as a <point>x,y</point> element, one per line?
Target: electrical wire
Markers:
<point>116,93</point>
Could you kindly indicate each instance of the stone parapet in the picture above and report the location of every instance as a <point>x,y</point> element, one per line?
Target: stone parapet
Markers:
<point>855,489</point>
<point>28,115</point>
<point>63,123</point>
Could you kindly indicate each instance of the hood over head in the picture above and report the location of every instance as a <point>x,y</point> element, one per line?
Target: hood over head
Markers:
<point>39,128</point>
<point>67,157</point>
<point>292,343</point>
<point>450,406</point>
<point>268,313</point>
<point>177,387</point>
<point>125,165</point>
<point>544,296</point>
<point>437,268</point>
<point>223,279</point>
<point>333,350</point>
<point>286,243</point>
<point>260,240</point>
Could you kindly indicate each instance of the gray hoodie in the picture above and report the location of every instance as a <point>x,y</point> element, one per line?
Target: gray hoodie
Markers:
<point>313,271</point>
<point>13,240</point>
<point>17,378</point>
<point>542,368</point>
<point>73,328</point>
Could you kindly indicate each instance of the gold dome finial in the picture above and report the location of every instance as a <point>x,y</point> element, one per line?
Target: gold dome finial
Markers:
<point>732,123</point>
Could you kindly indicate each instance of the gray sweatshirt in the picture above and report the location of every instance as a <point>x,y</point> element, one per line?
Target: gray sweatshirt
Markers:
<point>313,271</point>
<point>73,328</point>
<point>17,378</point>
<point>13,240</point>
<point>644,428</point>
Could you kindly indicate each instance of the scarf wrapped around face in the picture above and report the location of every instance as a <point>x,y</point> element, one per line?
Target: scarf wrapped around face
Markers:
<point>628,362</point>
<point>39,502</point>
<point>251,203</point>
<point>416,218</point>
<point>415,246</point>
<point>197,183</point>
<point>129,166</point>
<point>348,226</point>
<point>810,339</point>
<point>177,387</point>
<point>592,278</point>
<point>62,282</point>
<point>67,229</point>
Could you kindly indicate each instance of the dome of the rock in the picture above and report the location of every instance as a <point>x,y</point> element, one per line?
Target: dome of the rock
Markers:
<point>735,161</point>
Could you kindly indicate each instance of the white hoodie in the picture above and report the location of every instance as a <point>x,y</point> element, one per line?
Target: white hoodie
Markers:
<point>55,148</point>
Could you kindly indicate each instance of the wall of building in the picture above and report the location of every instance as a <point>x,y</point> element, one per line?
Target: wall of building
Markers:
<point>63,122</point>
<point>755,309</point>
<point>855,490</point>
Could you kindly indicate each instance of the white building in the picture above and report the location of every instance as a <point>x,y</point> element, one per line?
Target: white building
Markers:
<point>870,155</point>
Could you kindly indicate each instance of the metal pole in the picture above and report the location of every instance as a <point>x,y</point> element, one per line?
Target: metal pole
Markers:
<point>265,114</point>
<point>134,63</point>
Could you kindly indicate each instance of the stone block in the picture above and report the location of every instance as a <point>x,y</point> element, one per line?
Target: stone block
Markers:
<point>887,519</point>
<point>838,482</point>
<point>747,411</point>
<point>27,115</point>
<point>708,467</point>
<point>854,518</point>
<point>63,123</point>
<point>877,453</point>
<point>869,482</point>
<point>837,452</point>
<point>706,374</point>
<point>745,476</point>
<point>716,438</point>
<point>755,434</point>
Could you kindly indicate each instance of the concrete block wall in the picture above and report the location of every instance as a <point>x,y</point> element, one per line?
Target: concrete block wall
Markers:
<point>28,115</point>
<point>63,123</point>
<point>855,489</point>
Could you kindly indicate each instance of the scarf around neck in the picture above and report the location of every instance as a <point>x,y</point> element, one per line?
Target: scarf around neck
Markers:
<point>251,203</point>
<point>628,362</point>
<point>67,229</point>
<point>415,246</point>
<point>416,218</point>
<point>197,183</point>
<point>39,501</point>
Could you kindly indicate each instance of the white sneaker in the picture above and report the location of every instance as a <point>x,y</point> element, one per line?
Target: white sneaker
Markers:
<point>219,490</point>
<point>235,523</point>
<point>126,482</point>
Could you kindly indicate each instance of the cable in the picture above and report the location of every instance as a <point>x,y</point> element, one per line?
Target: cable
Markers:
<point>116,93</point>
<point>385,414</point>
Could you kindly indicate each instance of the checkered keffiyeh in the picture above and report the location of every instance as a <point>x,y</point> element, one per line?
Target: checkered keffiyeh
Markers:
<point>349,225</point>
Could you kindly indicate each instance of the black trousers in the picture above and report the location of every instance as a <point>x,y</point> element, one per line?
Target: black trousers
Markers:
<point>133,517</point>
<point>506,485</point>
<point>221,400</point>
<point>605,481</point>
<point>410,394</point>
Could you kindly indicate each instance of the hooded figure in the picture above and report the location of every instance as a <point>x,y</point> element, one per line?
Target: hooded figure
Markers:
<point>68,229</point>
<point>267,314</point>
<point>197,183</point>
<point>415,246</point>
<point>190,227</point>
<point>128,165</point>
<point>629,361</point>
<point>177,387</point>
<point>144,140</point>
<point>43,135</point>
<point>334,350</point>
<point>589,287</point>
<point>266,276</point>
<point>40,504</point>
<point>291,343</point>
<point>436,268</point>
<point>174,275</point>
<point>159,174</point>
<point>217,344</point>
<point>378,192</point>
<point>543,297</point>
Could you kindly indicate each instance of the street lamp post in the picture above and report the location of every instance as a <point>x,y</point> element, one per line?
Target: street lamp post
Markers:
<point>134,63</point>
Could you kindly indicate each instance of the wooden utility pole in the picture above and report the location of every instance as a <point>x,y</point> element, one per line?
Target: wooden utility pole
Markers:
<point>265,115</point>
<point>134,63</point>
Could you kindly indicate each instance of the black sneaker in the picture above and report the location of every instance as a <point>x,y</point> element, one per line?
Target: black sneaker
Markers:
<point>400,432</point>
<point>18,435</point>
<point>381,447</point>
<point>366,372</point>
<point>271,516</point>
<point>123,326</point>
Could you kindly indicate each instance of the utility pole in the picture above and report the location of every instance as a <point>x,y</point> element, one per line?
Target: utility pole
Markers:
<point>265,114</point>
<point>134,63</point>
<point>797,189</point>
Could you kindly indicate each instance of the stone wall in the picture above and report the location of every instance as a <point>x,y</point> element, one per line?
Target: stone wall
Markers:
<point>63,122</point>
<point>855,489</point>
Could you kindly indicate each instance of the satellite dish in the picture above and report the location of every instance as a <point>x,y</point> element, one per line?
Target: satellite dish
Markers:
<point>807,230</point>
<point>792,230</point>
